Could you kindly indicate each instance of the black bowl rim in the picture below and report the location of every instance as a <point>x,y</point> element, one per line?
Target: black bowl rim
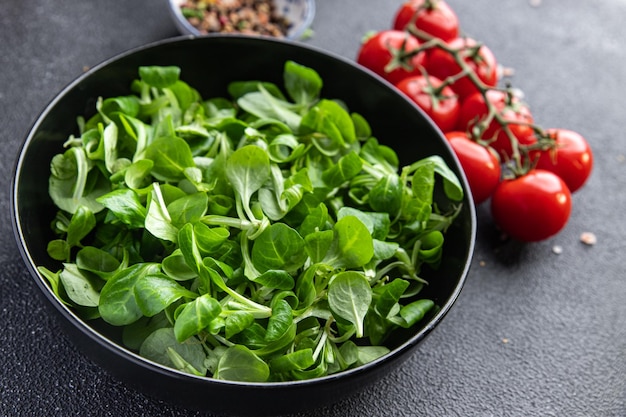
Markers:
<point>120,350</point>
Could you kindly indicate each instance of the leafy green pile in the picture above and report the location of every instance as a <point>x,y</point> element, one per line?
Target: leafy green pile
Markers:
<point>266,237</point>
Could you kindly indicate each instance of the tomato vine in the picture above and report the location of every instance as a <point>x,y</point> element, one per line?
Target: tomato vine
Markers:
<point>491,112</point>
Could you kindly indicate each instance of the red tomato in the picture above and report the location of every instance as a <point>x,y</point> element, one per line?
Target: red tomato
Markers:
<point>571,158</point>
<point>533,207</point>
<point>436,99</point>
<point>480,60</point>
<point>436,18</point>
<point>385,48</point>
<point>510,108</point>
<point>480,165</point>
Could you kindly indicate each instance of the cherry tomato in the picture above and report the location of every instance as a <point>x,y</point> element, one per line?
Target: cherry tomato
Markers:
<point>437,100</point>
<point>434,17</point>
<point>571,158</point>
<point>384,48</point>
<point>480,60</point>
<point>480,165</point>
<point>515,112</point>
<point>532,207</point>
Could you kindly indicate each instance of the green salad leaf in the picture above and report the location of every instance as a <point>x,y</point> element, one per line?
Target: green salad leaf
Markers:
<point>263,236</point>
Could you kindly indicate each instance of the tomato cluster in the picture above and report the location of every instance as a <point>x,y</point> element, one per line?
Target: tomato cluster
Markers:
<point>528,173</point>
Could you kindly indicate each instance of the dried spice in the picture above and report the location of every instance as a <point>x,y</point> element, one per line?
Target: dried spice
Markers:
<point>253,17</point>
<point>588,238</point>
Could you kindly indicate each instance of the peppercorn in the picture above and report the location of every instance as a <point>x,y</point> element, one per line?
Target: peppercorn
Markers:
<point>256,17</point>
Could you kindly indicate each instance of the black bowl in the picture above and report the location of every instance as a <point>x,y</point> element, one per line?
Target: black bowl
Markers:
<point>209,63</point>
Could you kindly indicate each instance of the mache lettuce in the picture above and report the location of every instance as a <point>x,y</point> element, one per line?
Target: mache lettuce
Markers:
<point>267,236</point>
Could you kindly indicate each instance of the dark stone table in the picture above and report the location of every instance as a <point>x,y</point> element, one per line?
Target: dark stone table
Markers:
<point>534,333</point>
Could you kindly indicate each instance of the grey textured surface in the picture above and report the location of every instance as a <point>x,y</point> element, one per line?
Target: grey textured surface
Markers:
<point>533,333</point>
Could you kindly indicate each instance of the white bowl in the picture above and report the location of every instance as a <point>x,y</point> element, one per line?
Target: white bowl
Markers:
<point>299,13</point>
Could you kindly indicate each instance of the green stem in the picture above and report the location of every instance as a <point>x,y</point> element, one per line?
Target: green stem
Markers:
<point>217,220</point>
<point>466,71</point>
<point>320,345</point>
